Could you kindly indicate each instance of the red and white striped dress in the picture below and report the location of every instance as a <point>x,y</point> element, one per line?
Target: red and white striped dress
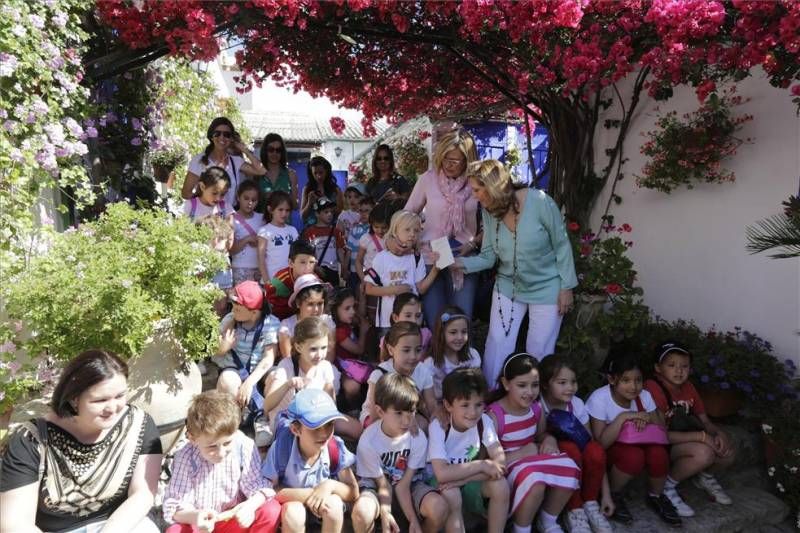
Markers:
<point>552,470</point>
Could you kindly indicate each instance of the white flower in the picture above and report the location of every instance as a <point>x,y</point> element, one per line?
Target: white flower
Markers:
<point>780,487</point>
<point>771,471</point>
<point>127,284</point>
<point>766,428</point>
<point>151,250</point>
<point>18,30</point>
<point>793,470</point>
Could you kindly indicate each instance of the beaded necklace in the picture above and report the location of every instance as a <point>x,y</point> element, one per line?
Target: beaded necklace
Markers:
<point>507,329</point>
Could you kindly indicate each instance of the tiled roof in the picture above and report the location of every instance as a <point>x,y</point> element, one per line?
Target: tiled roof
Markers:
<point>302,127</point>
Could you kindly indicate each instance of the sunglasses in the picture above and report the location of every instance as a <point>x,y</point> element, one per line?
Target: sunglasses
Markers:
<point>383,158</point>
<point>274,150</point>
<point>226,134</point>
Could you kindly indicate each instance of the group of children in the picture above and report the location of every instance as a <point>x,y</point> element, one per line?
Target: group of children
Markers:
<point>434,445</point>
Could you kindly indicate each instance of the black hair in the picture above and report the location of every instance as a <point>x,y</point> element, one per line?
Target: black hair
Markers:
<point>517,364</point>
<point>219,121</point>
<point>338,299</point>
<point>376,175</point>
<point>329,183</point>
<point>247,185</point>
<point>462,383</point>
<point>210,176</point>
<point>402,300</point>
<point>264,151</point>
<point>83,372</point>
<point>301,247</point>
<point>379,215</point>
<point>551,366</point>
<point>305,292</point>
<point>621,360</point>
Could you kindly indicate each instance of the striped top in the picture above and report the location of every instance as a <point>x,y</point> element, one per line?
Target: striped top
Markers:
<point>516,431</point>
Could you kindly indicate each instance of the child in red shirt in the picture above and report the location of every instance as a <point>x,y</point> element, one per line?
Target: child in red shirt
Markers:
<point>328,242</point>
<point>696,443</point>
<point>281,286</point>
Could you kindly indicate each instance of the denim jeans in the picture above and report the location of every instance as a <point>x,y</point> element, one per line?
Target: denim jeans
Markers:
<point>441,294</point>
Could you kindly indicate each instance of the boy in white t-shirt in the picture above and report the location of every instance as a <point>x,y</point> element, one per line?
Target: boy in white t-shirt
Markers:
<point>390,464</point>
<point>467,458</point>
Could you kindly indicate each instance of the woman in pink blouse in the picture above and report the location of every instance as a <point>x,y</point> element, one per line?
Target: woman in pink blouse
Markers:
<point>442,196</point>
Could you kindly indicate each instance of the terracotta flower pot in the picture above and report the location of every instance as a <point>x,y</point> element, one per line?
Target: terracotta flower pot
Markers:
<point>721,403</point>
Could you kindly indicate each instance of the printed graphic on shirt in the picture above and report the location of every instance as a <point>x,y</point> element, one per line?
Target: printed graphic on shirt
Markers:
<point>398,277</point>
<point>282,240</point>
<point>395,464</point>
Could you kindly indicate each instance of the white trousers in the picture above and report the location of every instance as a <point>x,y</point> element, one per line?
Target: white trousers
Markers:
<point>544,324</point>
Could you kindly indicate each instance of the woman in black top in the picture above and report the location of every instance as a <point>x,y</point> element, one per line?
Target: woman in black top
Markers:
<point>91,464</point>
<point>386,185</point>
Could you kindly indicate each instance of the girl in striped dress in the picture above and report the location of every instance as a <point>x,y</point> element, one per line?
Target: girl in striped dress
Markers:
<point>540,476</point>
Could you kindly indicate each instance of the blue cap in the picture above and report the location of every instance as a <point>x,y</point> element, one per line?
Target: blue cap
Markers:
<point>313,408</point>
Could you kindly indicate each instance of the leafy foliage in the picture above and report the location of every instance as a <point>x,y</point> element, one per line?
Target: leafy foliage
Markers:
<point>779,231</point>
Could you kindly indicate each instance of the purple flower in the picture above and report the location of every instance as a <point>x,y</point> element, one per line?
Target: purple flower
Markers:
<point>19,30</point>
<point>62,152</point>
<point>91,132</point>
<point>36,21</point>
<point>56,63</point>
<point>136,141</point>
<point>60,19</point>
<point>111,117</point>
<point>9,126</point>
<point>755,373</point>
<point>3,113</point>
<point>720,372</point>
<point>31,118</point>
<point>8,64</point>
<point>724,385</point>
<point>16,155</point>
<point>770,397</point>
<point>712,361</point>
<point>40,107</point>
<point>136,123</point>
<point>704,378</point>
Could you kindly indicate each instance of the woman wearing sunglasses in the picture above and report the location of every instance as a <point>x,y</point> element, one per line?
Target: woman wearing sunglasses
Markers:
<point>386,185</point>
<point>278,176</point>
<point>225,149</point>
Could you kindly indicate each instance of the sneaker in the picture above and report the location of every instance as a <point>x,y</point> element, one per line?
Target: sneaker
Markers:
<point>577,521</point>
<point>555,528</point>
<point>677,502</point>
<point>709,483</point>
<point>263,433</point>
<point>664,509</point>
<point>596,518</point>
<point>621,512</point>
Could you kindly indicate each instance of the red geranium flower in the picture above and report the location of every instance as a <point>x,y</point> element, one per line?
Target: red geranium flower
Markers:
<point>573,226</point>
<point>613,288</point>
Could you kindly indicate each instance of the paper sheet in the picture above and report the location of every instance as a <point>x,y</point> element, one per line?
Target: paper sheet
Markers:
<point>442,246</point>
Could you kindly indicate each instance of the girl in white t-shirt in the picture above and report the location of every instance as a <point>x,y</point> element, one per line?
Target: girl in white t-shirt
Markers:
<point>451,348</point>
<point>246,224</point>
<point>276,237</point>
<point>208,200</point>
<point>610,407</point>
<point>402,353</point>
<point>368,247</point>
<point>569,423</point>
<point>397,270</point>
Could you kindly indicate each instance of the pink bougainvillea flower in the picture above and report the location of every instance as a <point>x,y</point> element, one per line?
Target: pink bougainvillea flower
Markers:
<point>573,226</point>
<point>337,125</point>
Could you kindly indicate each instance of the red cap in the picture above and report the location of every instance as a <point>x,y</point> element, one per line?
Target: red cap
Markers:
<point>249,294</point>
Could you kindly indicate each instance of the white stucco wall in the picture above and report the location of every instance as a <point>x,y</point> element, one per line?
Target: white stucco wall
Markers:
<point>690,245</point>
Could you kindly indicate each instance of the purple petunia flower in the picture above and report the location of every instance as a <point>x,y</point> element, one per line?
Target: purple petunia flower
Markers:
<point>724,385</point>
<point>704,378</point>
<point>770,397</point>
<point>136,141</point>
<point>720,372</point>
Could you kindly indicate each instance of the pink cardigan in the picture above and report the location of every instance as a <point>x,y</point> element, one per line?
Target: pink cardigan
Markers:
<point>426,198</point>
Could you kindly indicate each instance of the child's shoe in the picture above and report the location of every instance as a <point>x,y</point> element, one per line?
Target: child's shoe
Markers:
<point>664,509</point>
<point>621,512</point>
<point>709,483</point>
<point>577,521</point>
<point>542,528</point>
<point>597,520</point>
<point>262,432</point>
<point>681,507</point>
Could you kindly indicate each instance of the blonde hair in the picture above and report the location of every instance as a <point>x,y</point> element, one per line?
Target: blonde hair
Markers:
<point>398,219</point>
<point>493,176</point>
<point>213,414</point>
<point>221,229</point>
<point>308,329</point>
<point>459,140</point>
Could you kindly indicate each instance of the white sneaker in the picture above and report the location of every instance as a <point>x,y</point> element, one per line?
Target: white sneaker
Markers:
<point>596,518</point>
<point>680,506</point>
<point>577,522</point>
<point>709,483</point>
<point>263,433</point>
<point>555,528</point>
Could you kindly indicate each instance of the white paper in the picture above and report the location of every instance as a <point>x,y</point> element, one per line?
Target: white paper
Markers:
<point>442,246</point>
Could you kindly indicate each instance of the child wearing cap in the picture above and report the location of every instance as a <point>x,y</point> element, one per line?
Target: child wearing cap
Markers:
<point>216,483</point>
<point>310,468</point>
<point>697,445</point>
<point>309,298</point>
<point>390,462</point>
<point>248,344</point>
<point>281,285</point>
<point>328,242</point>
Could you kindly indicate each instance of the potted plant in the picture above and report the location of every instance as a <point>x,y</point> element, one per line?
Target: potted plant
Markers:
<point>782,442</point>
<point>165,158</point>
<point>136,282</point>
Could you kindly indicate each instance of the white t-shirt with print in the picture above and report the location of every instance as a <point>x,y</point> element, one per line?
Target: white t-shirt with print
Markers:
<point>395,270</point>
<point>347,219</point>
<point>439,374</point>
<point>578,409</point>
<point>458,447</point>
<point>279,239</point>
<point>381,455</point>
<point>421,376</point>
<point>603,407</point>
<point>233,168</point>
<point>247,256</point>
<point>318,376</point>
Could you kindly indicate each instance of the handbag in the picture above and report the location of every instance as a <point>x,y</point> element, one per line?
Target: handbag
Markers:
<point>355,369</point>
<point>651,434</point>
<point>680,419</point>
<point>564,425</point>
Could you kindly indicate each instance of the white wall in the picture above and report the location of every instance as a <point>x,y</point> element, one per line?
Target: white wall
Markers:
<point>689,246</point>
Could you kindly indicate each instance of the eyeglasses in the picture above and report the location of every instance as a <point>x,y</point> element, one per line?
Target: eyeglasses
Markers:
<point>226,134</point>
<point>274,149</point>
<point>383,158</point>
<point>453,162</point>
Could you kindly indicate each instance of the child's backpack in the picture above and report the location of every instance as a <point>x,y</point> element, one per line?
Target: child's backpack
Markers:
<point>482,452</point>
<point>284,440</point>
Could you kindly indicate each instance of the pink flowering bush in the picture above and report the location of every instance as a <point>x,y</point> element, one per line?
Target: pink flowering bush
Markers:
<point>600,263</point>
<point>685,151</point>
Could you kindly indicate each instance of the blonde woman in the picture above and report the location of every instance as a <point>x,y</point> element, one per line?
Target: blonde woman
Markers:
<point>535,269</point>
<point>443,196</point>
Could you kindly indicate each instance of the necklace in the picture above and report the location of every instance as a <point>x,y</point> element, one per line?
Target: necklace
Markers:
<point>507,329</point>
